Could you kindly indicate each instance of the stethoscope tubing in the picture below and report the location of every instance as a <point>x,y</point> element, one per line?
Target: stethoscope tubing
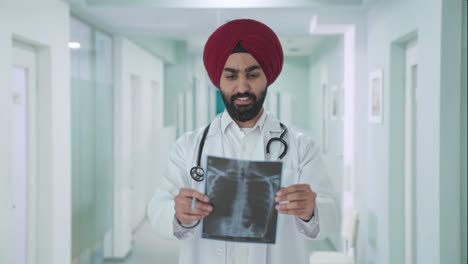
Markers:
<point>198,174</point>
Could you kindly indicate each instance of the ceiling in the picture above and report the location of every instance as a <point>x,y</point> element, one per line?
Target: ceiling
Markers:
<point>191,21</point>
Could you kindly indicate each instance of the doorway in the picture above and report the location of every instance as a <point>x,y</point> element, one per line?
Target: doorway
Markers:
<point>403,148</point>
<point>411,73</point>
<point>23,151</point>
<point>137,161</point>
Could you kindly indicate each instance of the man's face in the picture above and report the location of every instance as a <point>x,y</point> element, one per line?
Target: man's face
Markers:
<point>243,86</point>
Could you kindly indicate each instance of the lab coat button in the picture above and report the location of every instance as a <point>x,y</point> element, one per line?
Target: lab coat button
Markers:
<point>219,251</point>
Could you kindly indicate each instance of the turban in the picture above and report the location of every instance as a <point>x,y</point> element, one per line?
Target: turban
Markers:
<point>255,37</point>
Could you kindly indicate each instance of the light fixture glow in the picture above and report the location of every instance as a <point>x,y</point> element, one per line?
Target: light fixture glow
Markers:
<point>74,45</point>
<point>313,24</point>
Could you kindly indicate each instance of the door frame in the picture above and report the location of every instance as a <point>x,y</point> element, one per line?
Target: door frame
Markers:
<point>410,151</point>
<point>396,168</point>
<point>25,56</point>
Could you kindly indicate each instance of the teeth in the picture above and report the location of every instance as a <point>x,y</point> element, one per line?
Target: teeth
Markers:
<point>243,98</point>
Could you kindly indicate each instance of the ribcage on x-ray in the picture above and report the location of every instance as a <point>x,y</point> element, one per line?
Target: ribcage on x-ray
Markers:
<point>243,200</point>
<point>217,190</point>
<point>260,202</point>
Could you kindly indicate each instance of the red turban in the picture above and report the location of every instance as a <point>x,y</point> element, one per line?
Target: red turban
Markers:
<point>257,38</point>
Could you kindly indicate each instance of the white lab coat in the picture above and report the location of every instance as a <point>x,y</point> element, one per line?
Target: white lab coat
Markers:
<point>302,164</point>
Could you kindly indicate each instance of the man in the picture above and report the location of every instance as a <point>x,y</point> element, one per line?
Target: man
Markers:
<point>243,57</point>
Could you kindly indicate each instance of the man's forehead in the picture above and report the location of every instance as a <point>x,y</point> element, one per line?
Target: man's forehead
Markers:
<point>241,61</point>
<point>246,69</point>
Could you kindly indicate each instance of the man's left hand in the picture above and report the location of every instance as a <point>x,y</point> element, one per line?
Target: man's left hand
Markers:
<point>301,201</point>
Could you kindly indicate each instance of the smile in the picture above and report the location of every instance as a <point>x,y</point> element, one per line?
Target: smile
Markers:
<point>243,100</point>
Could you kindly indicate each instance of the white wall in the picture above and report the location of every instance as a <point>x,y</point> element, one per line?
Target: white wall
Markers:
<point>129,205</point>
<point>190,95</point>
<point>463,136</point>
<point>449,173</point>
<point>293,80</point>
<point>203,93</point>
<point>46,27</point>
<point>389,22</point>
<point>179,77</point>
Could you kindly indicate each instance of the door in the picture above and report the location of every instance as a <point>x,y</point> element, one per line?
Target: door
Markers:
<point>23,138</point>
<point>180,114</point>
<point>137,149</point>
<point>410,150</point>
<point>189,110</point>
<point>285,106</point>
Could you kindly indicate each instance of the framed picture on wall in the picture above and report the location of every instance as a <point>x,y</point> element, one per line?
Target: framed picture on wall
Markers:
<point>375,97</point>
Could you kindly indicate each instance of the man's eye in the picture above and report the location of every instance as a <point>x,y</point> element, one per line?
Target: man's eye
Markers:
<point>252,75</point>
<point>230,77</point>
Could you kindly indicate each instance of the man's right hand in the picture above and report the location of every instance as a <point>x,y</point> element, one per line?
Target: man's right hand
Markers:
<point>183,206</point>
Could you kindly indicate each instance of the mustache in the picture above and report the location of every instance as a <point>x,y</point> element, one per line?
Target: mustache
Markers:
<point>246,94</point>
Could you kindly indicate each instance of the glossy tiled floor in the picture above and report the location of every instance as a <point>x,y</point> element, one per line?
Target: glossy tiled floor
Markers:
<point>147,249</point>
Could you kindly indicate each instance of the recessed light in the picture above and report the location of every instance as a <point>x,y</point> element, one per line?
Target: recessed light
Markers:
<point>74,45</point>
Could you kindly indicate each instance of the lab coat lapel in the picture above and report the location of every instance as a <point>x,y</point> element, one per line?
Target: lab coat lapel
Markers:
<point>213,143</point>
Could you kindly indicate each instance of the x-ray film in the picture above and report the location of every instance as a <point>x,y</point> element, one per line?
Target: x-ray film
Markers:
<point>243,197</point>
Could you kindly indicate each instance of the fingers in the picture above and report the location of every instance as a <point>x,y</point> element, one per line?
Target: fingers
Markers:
<point>298,212</point>
<point>296,205</point>
<point>188,210</point>
<point>304,210</point>
<point>298,192</point>
<point>184,202</point>
<point>185,205</point>
<point>294,188</point>
<point>298,199</point>
<point>193,193</point>
<point>297,196</point>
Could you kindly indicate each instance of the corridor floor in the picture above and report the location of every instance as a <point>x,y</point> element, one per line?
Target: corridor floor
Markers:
<point>149,249</point>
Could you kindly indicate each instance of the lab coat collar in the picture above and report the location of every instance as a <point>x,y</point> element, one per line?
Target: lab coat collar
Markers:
<point>227,121</point>
<point>272,125</point>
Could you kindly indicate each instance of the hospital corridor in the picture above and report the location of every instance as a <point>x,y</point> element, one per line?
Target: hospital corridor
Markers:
<point>94,95</point>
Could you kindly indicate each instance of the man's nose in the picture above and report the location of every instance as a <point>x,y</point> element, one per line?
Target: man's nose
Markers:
<point>243,84</point>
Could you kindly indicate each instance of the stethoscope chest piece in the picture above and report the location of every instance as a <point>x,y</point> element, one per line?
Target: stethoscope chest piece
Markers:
<point>197,173</point>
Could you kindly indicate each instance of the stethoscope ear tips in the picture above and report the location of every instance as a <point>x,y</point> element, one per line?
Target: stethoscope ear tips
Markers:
<point>197,173</point>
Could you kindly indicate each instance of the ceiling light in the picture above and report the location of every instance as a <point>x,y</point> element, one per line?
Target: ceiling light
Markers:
<point>74,45</point>
<point>313,24</point>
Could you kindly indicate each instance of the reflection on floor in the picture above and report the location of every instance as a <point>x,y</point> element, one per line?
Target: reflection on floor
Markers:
<point>149,249</point>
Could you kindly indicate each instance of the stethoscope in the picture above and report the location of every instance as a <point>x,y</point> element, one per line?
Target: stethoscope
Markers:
<point>197,172</point>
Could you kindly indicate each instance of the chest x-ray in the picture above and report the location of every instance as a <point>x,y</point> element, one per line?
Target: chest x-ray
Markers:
<point>243,197</point>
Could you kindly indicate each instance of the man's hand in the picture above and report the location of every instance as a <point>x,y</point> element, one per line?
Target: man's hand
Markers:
<point>301,201</point>
<point>183,206</point>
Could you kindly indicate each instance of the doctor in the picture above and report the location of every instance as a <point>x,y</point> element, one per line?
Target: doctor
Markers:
<point>243,57</point>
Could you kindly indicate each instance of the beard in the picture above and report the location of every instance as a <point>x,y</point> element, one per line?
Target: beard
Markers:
<point>243,113</point>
